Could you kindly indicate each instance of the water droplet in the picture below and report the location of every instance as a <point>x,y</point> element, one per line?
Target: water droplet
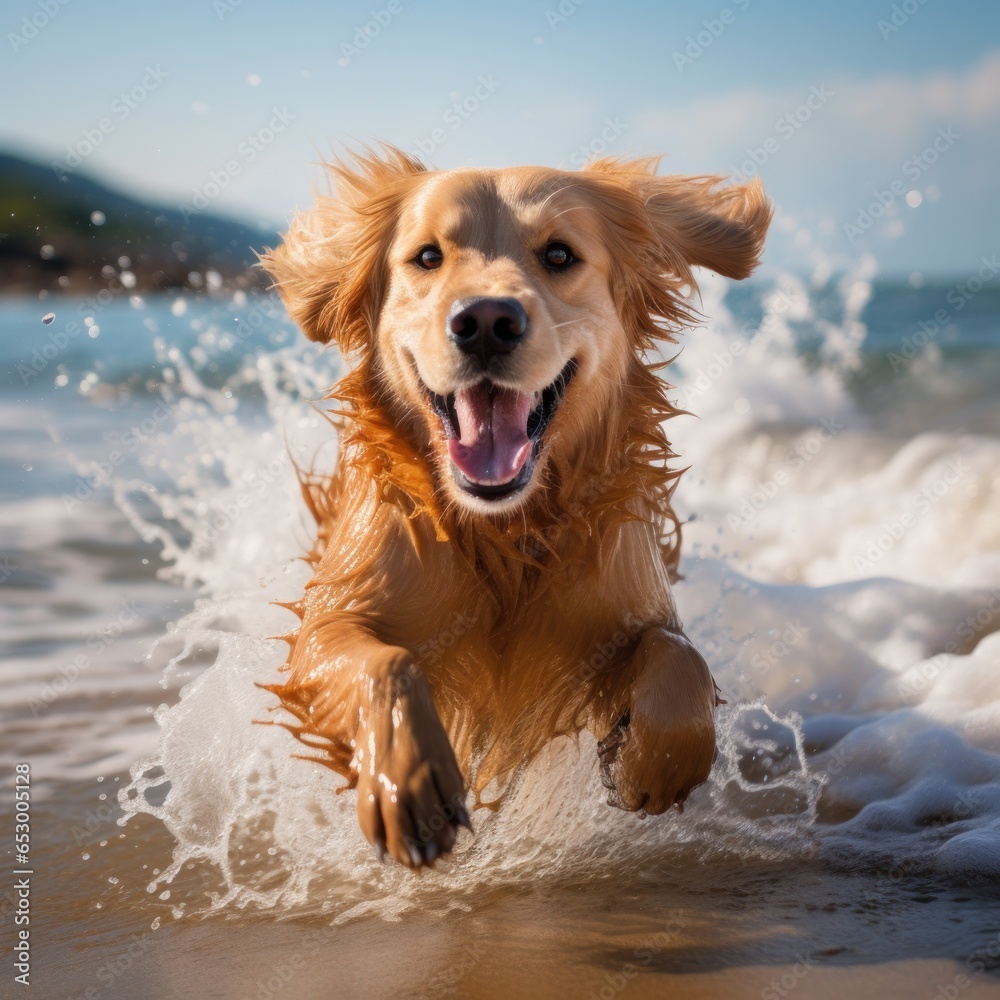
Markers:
<point>98,218</point>
<point>48,318</point>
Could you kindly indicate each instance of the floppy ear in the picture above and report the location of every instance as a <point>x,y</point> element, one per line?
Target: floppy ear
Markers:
<point>330,266</point>
<point>695,220</point>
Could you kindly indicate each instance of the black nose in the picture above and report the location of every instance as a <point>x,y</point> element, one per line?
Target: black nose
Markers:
<point>486,327</point>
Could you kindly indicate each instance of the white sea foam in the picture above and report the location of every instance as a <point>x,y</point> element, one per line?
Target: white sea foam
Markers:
<point>844,585</point>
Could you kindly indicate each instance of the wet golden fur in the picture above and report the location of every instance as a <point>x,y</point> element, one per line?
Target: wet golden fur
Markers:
<point>441,646</point>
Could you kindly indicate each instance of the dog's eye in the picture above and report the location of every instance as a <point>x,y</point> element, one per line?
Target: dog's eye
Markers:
<point>430,258</point>
<point>558,256</point>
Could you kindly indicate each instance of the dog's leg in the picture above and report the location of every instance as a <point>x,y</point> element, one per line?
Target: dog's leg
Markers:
<point>372,700</point>
<point>411,793</point>
<point>662,743</point>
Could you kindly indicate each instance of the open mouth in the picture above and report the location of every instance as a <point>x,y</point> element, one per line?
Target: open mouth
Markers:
<point>494,433</point>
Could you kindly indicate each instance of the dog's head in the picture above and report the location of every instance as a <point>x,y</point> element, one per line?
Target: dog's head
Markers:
<point>500,310</point>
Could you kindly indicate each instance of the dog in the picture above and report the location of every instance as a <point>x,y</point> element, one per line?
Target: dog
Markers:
<point>496,547</point>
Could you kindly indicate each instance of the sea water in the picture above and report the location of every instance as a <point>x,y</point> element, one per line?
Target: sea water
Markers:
<point>841,574</point>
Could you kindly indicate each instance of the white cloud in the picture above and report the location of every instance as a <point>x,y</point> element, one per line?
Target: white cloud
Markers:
<point>888,115</point>
<point>824,165</point>
<point>894,103</point>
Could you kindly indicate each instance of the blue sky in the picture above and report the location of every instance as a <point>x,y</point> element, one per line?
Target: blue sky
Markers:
<point>833,111</point>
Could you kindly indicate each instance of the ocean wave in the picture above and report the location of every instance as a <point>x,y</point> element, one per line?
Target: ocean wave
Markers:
<point>841,574</point>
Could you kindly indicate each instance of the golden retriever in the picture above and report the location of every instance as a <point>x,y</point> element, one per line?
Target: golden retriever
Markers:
<point>496,547</point>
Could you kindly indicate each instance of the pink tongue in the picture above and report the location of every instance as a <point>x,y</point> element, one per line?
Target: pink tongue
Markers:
<point>493,443</point>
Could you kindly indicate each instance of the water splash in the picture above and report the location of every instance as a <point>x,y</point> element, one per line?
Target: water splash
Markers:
<point>258,829</point>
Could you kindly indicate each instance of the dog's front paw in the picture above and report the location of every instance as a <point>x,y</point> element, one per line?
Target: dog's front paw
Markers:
<point>411,793</point>
<point>662,746</point>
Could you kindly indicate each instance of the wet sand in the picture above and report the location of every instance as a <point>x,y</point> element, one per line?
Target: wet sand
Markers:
<point>723,930</point>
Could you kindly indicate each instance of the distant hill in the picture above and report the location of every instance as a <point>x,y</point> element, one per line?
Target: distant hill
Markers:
<point>68,233</point>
